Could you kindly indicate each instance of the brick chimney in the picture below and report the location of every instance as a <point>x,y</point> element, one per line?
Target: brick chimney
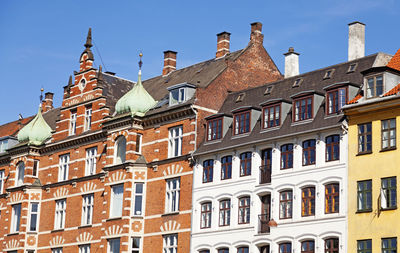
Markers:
<point>256,36</point>
<point>47,103</point>
<point>169,62</point>
<point>291,63</point>
<point>356,40</point>
<point>223,42</point>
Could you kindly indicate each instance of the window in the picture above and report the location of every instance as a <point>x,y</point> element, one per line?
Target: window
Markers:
<point>3,145</point>
<point>208,167</point>
<point>87,209</point>
<point>224,212</point>
<point>303,109</point>
<point>120,150</point>
<point>244,210</point>
<point>271,116</point>
<point>336,99</point>
<point>388,193</point>
<point>116,200</point>
<point>2,181</point>
<point>170,243</point>
<point>329,73</point>
<point>308,201</point>
<point>135,244</point>
<point>388,134</point>
<point>175,141</point>
<point>91,154</point>
<point>34,214</point>
<point>214,129</point>
<point>204,251</point>
<point>59,218</point>
<point>35,168</point>
<point>285,204</point>
<point>138,143</point>
<point>240,97</point>
<point>266,165</point>
<point>63,168</point>
<point>287,156</point>
<point>374,86</point>
<point>332,245</point>
<point>226,167</point>
<point>72,124</point>
<point>138,198</point>
<point>245,164</point>
<point>364,246</point>
<point>364,195</point>
<point>365,138</point>
<point>172,195</point>
<point>297,82</point>
<point>332,198</point>
<point>20,174</point>
<point>114,245</point>
<point>15,218</point>
<point>84,248</point>
<point>57,250</point>
<point>389,245</point>
<point>308,152</point>
<point>308,247</point>
<point>242,123</point>
<point>268,90</point>
<point>285,247</point>
<point>205,215</point>
<point>243,250</point>
<point>352,67</point>
<point>88,118</point>
<point>177,96</point>
<point>332,143</point>
<point>223,250</point>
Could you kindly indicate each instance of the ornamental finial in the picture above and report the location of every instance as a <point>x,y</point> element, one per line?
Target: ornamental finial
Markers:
<point>41,95</point>
<point>140,61</point>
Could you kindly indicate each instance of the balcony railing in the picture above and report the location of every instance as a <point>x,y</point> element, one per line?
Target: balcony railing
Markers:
<point>263,226</point>
<point>265,174</point>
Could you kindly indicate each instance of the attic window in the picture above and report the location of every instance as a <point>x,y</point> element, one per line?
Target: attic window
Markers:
<point>329,73</point>
<point>297,82</point>
<point>352,67</point>
<point>240,97</point>
<point>177,96</point>
<point>268,90</point>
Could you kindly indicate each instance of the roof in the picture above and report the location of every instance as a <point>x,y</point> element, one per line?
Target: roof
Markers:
<point>284,90</point>
<point>11,128</point>
<point>394,63</point>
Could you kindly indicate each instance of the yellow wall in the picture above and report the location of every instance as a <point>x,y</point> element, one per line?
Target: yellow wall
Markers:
<point>373,166</point>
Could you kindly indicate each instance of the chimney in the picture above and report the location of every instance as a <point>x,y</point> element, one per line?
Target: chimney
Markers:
<point>169,62</point>
<point>291,63</point>
<point>47,103</point>
<point>256,36</point>
<point>356,40</point>
<point>223,41</point>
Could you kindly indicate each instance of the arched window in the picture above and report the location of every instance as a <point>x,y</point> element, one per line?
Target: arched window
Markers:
<point>226,167</point>
<point>244,210</point>
<point>120,150</point>
<point>243,250</point>
<point>208,167</point>
<point>20,174</point>
<point>223,250</point>
<point>308,152</point>
<point>332,198</point>
<point>205,215</point>
<point>285,247</point>
<point>308,246</point>
<point>332,143</point>
<point>308,201</point>
<point>245,164</point>
<point>286,156</point>
<point>224,212</point>
<point>332,245</point>
<point>285,204</point>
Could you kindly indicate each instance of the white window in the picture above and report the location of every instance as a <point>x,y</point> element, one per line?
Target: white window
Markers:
<point>63,168</point>
<point>91,154</point>
<point>135,244</point>
<point>56,250</point>
<point>59,221</point>
<point>87,209</point>
<point>35,168</point>
<point>15,218</point>
<point>138,198</point>
<point>113,245</point>
<point>177,96</point>
<point>172,195</point>
<point>88,118</point>
<point>20,174</point>
<point>120,150</point>
<point>175,141</point>
<point>3,145</point>
<point>34,215</point>
<point>117,192</point>
<point>2,181</point>
<point>138,143</point>
<point>72,125</point>
<point>84,248</point>
<point>170,244</point>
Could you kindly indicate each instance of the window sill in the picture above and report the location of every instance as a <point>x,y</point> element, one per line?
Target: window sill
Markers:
<point>14,233</point>
<point>207,182</point>
<point>364,211</point>
<point>85,226</point>
<point>387,149</point>
<point>57,230</point>
<point>114,218</point>
<point>300,122</point>
<point>268,129</point>
<point>235,136</point>
<point>31,232</point>
<point>389,208</point>
<point>137,216</point>
<point>169,214</point>
<point>364,153</point>
<point>213,141</point>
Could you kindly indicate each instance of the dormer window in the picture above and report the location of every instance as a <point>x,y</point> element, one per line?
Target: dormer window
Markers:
<point>242,122</point>
<point>214,129</point>
<point>329,73</point>
<point>271,116</point>
<point>180,93</point>
<point>177,96</point>
<point>336,99</point>
<point>374,86</point>
<point>3,145</point>
<point>303,108</point>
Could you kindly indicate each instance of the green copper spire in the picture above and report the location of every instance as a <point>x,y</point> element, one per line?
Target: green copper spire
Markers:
<point>36,132</point>
<point>137,101</point>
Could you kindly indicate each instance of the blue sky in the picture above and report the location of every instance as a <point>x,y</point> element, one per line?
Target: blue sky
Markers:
<point>41,41</point>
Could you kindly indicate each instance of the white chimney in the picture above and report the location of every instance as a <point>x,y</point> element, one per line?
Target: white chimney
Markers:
<point>356,40</point>
<point>291,63</point>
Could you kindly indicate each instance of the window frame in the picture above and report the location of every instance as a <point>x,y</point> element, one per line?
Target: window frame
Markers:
<point>63,167</point>
<point>226,167</point>
<point>390,247</point>
<point>84,248</point>
<point>175,136</point>
<point>331,146</point>
<point>245,163</point>
<point>87,209</point>
<point>35,168</point>
<point>298,111</point>
<point>243,125</point>
<point>388,130</point>
<point>214,132</point>
<point>138,143</point>
<point>391,190</point>
<point>138,198</point>
<point>120,149</point>
<point>90,161</point>
<point>336,104</point>
<point>309,151</point>
<point>224,212</point>
<point>167,247</point>
<point>363,146</point>
<point>285,247</point>
<point>208,171</point>
<point>308,249</point>
<point>276,119</point>
<point>243,249</point>
<point>287,163</point>
<point>332,206</point>
<point>19,180</point>
<point>31,214</point>
<point>286,204</point>
<point>113,212</point>
<point>2,180</point>
<point>365,244</point>
<point>72,122</point>
<point>244,210</point>
<point>171,194</point>
<point>111,243</point>
<point>374,77</point>
<point>331,249</point>
<point>363,193</point>
<point>16,218</point>
<point>57,250</point>
<point>139,240</point>
<point>60,213</point>
<point>206,215</point>
<point>88,118</point>
<point>308,201</point>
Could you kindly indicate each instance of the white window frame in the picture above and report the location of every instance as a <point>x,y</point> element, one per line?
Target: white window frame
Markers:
<point>91,156</point>
<point>138,196</point>
<point>3,145</point>
<point>175,141</point>
<point>85,248</point>
<point>136,249</point>
<point>19,177</point>
<point>2,180</point>
<point>119,146</point>
<point>139,139</point>
<point>172,195</point>
<point>60,212</point>
<point>113,201</point>
<point>57,250</point>
<point>87,209</point>
<point>88,118</point>
<point>31,213</point>
<point>111,243</point>
<point>16,218</point>
<point>35,166</point>
<point>63,167</point>
<point>72,123</point>
<point>167,247</point>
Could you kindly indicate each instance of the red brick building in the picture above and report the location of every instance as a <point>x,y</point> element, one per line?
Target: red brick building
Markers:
<point>110,174</point>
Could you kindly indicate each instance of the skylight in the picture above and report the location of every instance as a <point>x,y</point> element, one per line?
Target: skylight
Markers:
<point>240,97</point>
<point>268,90</point>
<point>297,82</point>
